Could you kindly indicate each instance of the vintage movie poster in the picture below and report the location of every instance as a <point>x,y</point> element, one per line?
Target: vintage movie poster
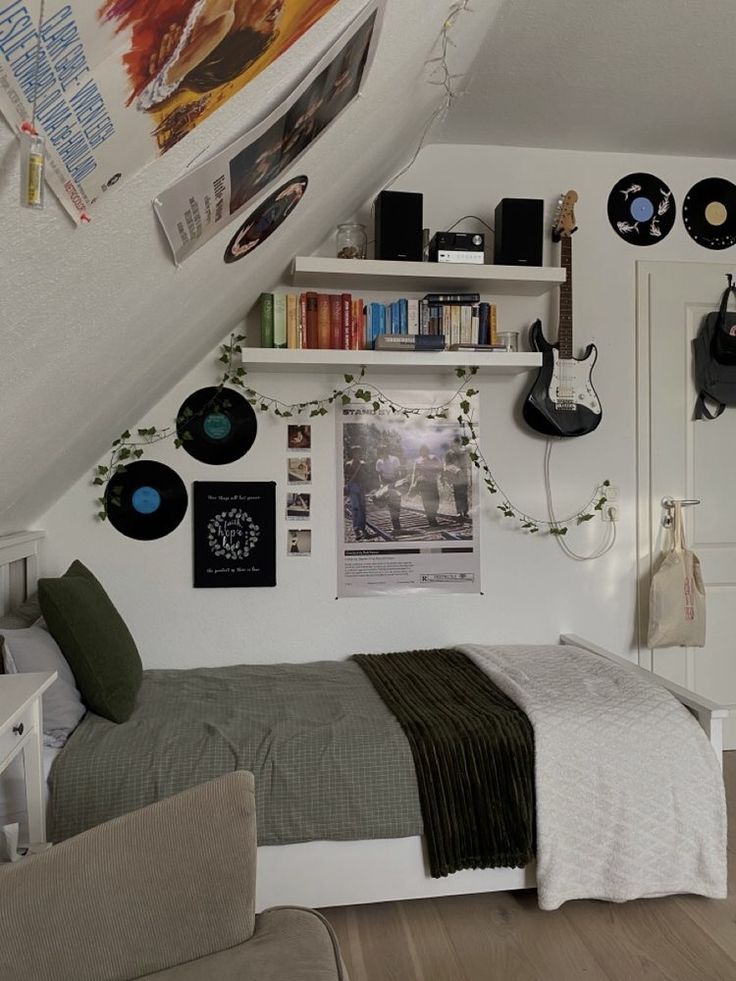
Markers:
<point>211,195</point>
<point>407,502</point>
<point>234,533</point>
<point>117,83</point>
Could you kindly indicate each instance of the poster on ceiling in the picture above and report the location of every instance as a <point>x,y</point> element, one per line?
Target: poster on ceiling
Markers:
<point>117,83</point>
<point>407,514</point>
<point>212,195</point>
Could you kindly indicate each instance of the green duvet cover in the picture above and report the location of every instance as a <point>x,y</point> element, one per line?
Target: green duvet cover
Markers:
<point>329,759</point>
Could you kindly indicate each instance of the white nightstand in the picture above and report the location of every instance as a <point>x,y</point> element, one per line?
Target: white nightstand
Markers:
<point>21,730</point>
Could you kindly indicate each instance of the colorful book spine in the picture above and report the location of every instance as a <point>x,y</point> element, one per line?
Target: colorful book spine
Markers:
<point>466,325</point>
<point>347,325</point>
<point>324,336</point>
<point>279,320</point>
<point>423,317</point>
<point>453,298</point>
<point>403,305</point>
<point>303,320</point>
<point>494,324</point>
<point>455,324</point>
<point>484,323</point>
<point>412,315</point>
<point>335,321</point>
<point>292,321</point>
<point>362,339</point>
<point>312,337</point>
<point>266,319</point>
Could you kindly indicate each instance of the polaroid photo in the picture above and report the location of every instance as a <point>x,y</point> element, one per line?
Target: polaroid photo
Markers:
<point>299,541</point>
<point>299,437</point>
<point>298,506</point>
<point>299,469</point>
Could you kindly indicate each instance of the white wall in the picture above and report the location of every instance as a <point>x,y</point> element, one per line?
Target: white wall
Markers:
<point>531,591</point>
<point>96,323</point>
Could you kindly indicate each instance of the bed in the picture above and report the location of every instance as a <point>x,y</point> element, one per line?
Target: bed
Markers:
<point>390,862</point>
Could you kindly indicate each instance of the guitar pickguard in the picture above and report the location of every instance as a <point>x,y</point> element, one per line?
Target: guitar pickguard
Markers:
<point>570,385</point>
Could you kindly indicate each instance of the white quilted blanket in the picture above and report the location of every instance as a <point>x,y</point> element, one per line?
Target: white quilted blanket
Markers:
<point>630,795</point>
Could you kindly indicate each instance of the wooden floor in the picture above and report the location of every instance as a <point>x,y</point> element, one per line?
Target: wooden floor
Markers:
<point>506,937</point>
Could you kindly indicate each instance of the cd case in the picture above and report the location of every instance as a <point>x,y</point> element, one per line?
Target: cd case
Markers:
<point>234,533</point>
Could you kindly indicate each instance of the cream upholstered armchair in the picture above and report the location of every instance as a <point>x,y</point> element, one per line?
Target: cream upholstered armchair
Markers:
<point>166,891</point>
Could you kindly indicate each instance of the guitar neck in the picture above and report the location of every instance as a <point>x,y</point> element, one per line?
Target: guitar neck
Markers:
<point>564,332</point>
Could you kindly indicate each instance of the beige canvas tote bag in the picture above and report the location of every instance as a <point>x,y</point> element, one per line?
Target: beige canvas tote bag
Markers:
<point>677,595</point>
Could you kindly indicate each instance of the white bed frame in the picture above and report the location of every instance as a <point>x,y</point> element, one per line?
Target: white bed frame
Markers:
<point>347,873</point>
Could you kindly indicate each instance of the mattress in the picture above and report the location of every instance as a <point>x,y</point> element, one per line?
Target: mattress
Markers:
<point>13,790</point>
<point>330,761</point>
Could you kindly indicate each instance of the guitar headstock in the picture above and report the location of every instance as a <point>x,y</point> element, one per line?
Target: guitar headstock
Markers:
<point>564,222</point>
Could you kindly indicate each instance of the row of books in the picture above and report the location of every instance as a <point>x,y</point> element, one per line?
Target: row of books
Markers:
<point>339,321</point>
<point>312,320</point>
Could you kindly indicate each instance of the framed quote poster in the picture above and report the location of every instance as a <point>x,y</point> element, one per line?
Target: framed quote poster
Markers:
<point>234,533</point>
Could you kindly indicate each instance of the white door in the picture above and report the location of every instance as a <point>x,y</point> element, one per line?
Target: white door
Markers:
<point>681,458</point>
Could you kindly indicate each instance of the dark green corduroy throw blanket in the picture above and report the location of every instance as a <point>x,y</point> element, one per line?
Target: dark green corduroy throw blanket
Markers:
<point>473,752</point>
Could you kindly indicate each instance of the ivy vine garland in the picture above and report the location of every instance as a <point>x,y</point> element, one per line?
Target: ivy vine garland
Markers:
<point>128,447</point>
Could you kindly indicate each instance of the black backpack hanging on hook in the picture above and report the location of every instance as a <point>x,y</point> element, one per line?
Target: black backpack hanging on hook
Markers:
<point>714,354</point>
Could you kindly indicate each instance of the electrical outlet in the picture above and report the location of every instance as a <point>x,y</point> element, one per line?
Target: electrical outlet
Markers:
<point>611,493</point>
<point>609,512</point>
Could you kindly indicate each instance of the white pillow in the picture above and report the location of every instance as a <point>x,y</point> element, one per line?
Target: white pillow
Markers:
<point>34,649</point>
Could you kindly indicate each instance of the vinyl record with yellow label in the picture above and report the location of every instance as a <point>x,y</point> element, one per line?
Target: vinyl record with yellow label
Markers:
<point>709,213</point>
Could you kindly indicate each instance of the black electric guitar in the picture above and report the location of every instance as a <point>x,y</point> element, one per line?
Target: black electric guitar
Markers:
<point>562,400</point>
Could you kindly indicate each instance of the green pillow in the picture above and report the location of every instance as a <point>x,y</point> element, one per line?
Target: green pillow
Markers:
<point>95,641</point>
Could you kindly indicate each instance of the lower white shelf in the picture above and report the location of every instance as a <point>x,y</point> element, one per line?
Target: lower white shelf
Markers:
<point>338,362</point>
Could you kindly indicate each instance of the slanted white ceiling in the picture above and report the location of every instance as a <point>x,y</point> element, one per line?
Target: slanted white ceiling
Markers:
<point>96,324</point>
<point>649,76</point>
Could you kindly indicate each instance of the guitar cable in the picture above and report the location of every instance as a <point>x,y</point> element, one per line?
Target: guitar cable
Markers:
<point>610,536</point>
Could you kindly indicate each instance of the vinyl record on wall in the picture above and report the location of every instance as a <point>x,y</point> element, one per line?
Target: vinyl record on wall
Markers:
<point>709,213</point>
<point>146,501</point>
<point>216,426</point>
<point>641,209</point>
<point>265,219</point>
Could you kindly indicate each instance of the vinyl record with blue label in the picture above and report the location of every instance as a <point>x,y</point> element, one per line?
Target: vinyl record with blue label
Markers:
<point>216,425</point>
<point>641,209</point>
<point>146,501</point>
<point>709,213</point>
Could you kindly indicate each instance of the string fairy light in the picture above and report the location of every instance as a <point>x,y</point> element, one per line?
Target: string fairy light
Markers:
<point>445,78</point>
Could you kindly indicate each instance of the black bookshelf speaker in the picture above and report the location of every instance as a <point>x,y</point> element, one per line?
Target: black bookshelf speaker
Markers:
<point>519,232</point>
<point>399,226</point>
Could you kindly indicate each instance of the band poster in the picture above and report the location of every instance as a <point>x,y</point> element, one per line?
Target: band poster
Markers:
<point>212,194</point>
<point>407,501</point>
<point>117,83</point>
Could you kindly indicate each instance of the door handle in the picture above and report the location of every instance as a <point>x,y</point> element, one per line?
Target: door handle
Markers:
<point>668,504</point>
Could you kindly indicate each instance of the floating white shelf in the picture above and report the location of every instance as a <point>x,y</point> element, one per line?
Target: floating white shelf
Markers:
<point>339,362</point>
<point>373,275</point>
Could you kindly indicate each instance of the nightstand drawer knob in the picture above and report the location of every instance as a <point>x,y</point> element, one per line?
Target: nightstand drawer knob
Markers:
<point>18,730</point>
